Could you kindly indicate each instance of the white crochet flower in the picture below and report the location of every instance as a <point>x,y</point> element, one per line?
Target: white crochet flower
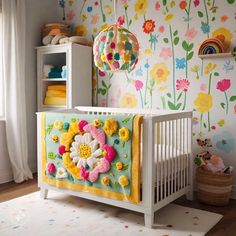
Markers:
<point>85,150</point>
<point>61,173</point>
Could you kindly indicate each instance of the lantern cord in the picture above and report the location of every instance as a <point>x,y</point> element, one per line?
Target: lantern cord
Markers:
<point>115,10</point>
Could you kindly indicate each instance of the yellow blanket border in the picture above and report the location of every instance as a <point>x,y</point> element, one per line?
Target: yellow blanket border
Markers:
<point>135,188</point>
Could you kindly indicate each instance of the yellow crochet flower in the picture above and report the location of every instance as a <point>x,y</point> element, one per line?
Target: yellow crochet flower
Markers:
<point>70,166</point>
<point>55,138</point>
<point>66,140</point>
<point>96,123</point>
<point>58,125</point>
<point>209,68</point>
<point>119,165</point>
<point>168,17</point>
<point>140,7</point>
<point>203,102</point>
<point>224,35</point>
<point>105,181</point>
<point>81,30</point>
<point>123,180</point>
<point>110,126</point>
<point>124,134</point>
<point>159,72</point>
<point>129,100</point>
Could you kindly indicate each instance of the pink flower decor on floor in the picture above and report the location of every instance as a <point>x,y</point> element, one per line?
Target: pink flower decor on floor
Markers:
<point>191,34</point>
<point>165,53</point>
<point>81,125</point>
<point>51,169</point>
<point>223,85</point>
<point>138,84</point>
<point>121,20</point>
<point>182,84</point>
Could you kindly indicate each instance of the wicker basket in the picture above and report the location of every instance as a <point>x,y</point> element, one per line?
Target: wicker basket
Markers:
<point>214,188</point>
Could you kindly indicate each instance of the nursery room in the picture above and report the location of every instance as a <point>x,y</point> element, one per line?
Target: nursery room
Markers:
<point>118,117</point>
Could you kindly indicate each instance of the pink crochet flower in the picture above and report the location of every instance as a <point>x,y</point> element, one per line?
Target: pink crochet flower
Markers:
<point>138,84</point>
<point>81,125</point>
<point>110,153</point>
<point>182,84</point>
<point>223,85</point>
<point>51,169</point>
<point>61,149</point>
<point>84,174</point>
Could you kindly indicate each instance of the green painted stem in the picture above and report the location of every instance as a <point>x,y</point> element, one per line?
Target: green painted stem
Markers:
<point>80,13</point>
<point>201,122</point>
<point>103,15</point>
<point>209,92</point>
<point>186,68</point>
<point>209,84</point>
<point>141,97</point>
<point>206,15</point>
<point>163,102</point>
<point>185,99</point>
<point>227,103</point>
<point>202,66</point>
<point>127,19</point>
<point>173,61</point>
<point>146,86</point>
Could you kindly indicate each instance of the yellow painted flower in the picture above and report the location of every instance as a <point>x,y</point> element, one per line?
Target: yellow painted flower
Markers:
<point>224,35</point>
<point>58,125</point>
<point>104,26</point>
<point>203,102</point>
<point>169,17</point>
<point>123,180</point>
<point>140,7</point>
<point>103,57</point>
<point>96,123</point>
<point>159,72</point>
<point>129,100</point>
<point>55,138</point>
<point>110,126</point>
<point>95,30</point>
<point>119,165</point>
<point>148,52</point>
<point>195,69</point>
<point>209,68</point>
<point>124,134</point>
<point>162,88</point>
<point>221,122</point>
<point>105,180</point>
<point>108,9</point>
<point>81,30</point>
<point>127,57</point>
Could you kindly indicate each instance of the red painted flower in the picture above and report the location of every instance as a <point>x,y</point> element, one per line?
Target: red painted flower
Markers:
<point>121,20</point>
<point>223,85</point>
<point>101,73</point>
<point>148,26</point>
<point>183,5</point>
<point>182,84</point>
<point>196,2</point>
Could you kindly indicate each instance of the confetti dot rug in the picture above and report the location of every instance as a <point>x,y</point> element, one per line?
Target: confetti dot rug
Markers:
<point>61,214</point>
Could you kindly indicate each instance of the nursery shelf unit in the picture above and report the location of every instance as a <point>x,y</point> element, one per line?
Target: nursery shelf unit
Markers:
<point>78,59</point>
<point>217,55</point>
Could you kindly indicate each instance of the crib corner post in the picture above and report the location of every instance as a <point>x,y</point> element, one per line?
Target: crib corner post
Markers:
<point>43,193</point>
<point>149,220</point>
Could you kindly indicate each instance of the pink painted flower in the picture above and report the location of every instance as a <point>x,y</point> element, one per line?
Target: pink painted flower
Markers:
<point>124,2</point>
<point>70,15</point>
<point>104,102</point>
<point>94,19</point>
<point>203,87</point>
<point>182,84</point>
<point>51,169</point>
<point>165,53</point>
<point>196,2</point>
<point>101,73</point>
<point>191,34</point>
<point>157,5</point>
<point>121,20</point>
<point>161,29</point>
<point>110,152</point>
<point>223,85</point>
<point>138,84</point>
<point>61,149</point>
<point>235,109</point>
<point>81,125</point>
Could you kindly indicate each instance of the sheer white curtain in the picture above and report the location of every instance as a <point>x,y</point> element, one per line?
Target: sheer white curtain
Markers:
<point>14,23</point>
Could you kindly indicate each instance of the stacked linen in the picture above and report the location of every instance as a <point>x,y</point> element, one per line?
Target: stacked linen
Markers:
<point>55,95</point>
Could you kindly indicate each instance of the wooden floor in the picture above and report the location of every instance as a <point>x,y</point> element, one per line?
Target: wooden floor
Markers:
<point>226,227</point>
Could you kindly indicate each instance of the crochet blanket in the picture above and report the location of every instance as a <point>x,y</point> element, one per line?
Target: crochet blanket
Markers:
<point>93,153</point>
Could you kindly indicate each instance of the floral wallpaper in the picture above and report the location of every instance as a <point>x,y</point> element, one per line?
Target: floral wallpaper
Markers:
<point>169,74</point>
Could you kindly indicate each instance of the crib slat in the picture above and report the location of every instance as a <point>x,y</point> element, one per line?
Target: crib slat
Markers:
<point>161,162</point>
<point>187,152</point>
<point>156,141</point>
<point>172,157</point>
<point>176,160</point>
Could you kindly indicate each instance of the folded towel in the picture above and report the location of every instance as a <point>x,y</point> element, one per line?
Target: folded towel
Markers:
<point>56,101</point>
<point>54,75</point>
<point>57,87</point>
<point>55,93</point>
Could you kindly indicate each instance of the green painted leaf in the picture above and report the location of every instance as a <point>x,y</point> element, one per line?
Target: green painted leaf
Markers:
<point>102,91</point>
<point>171,105</point>
<point>222,104</point>
<point>178,106</point>
<point>172,4</point>
<point>104,84</point>
<point>175,33</point>
<point>230,1</point>
<point>176,41</point>
<point>130,22</point>
<point>200,14</point>
<point>232,98</point>
<point>168,95</point>
<point>190,47</point>
<point>216,74</point>
<point>185,45</point>
<point>204,124</point>
<point>164,2</point>
<point>126,120</point>
<point>180,95</point>
<point>189,56</point>
<point>213,19</point>
<point>166,40</point>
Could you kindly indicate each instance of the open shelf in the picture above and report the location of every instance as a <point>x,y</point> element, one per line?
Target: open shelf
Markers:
<point>218,55</point>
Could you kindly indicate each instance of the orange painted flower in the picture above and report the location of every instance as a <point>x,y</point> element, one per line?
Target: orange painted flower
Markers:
<point>148,26</point>
<point>183,5</point>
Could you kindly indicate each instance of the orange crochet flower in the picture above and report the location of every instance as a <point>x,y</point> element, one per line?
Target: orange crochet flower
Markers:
<point>148,26</point>
<point>183,5</point>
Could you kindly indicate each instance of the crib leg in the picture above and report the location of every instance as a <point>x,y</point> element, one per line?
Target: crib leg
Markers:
<point>43,193</point>
<point>149,220</point>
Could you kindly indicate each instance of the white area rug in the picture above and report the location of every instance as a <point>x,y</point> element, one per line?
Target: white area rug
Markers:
<point>61,214</point>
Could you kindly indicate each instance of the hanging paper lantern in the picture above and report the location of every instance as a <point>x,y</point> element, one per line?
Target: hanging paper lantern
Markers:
<point>115,48</point>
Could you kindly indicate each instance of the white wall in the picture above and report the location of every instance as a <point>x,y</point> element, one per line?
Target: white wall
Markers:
<point>37,14</point>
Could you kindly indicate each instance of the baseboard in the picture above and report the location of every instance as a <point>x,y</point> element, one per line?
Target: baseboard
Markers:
<point>6,177</point>
<point>233,193</point>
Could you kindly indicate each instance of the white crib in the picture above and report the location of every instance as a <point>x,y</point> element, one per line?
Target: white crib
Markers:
<point>166,157</point>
